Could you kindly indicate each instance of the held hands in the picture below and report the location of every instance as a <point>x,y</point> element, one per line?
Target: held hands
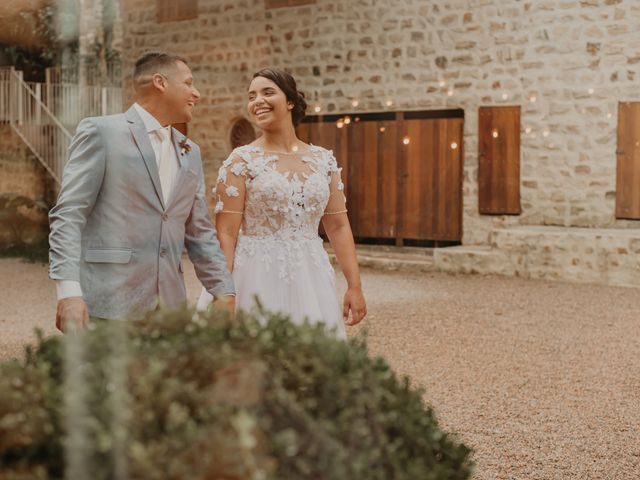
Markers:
<point>71,314</point>
<point>226,303</point>
<point>354,302</point>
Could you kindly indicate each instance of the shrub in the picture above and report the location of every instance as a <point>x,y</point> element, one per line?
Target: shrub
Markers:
<point>178,396</point>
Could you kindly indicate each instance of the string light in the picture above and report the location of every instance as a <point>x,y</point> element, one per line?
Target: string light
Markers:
<point>382,129</point>
<point>609,115</point>
<point>294,148</point>
<point>533,99</point>
<point>406,140</point>
<point>347,120</point>
<point>545,133</point>
<point>318,109</point>
<point>340,123</point>
<point>442,83</point>
<point>591,90</point>
<point>389,103</point>
<point>527,130</point>
<point>357,119</point>
<point>454,146</point>
<point>495,134</point>
<point>355,103</point>
<point>505,96</point>
<point>450,92</point>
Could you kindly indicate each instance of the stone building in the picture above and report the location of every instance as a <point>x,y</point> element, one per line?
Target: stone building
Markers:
<point>568,65</point>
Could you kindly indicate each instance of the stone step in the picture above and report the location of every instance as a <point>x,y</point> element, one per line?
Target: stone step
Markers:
<point>590,255</point>
<point>472,259</point>
<point>391,258</point>
<point>601,256</point>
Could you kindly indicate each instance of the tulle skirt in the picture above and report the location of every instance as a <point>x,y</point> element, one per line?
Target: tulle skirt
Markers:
<point>291,276</point>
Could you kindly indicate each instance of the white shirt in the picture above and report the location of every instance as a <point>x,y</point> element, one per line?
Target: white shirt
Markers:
<point>71,288</point>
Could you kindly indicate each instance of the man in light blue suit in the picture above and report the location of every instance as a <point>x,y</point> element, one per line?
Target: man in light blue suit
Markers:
<point>132,198</point>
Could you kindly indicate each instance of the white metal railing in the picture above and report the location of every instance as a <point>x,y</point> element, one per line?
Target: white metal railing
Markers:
<point>110,75</point>
<point>44,114</point>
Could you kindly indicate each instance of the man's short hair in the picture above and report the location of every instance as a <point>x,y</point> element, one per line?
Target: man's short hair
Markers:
<point>153,62</point>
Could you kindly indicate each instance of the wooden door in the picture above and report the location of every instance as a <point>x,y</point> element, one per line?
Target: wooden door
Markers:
<point>499,160</point>
<point>393,190</point>
<point>431,187</point>
<point>372,177</point>
<point>628,161</point>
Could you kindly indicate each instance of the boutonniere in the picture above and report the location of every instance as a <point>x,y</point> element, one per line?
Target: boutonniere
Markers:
<point>184,146</point>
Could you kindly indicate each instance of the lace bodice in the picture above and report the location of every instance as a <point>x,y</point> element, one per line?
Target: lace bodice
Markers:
<point>281,195</point>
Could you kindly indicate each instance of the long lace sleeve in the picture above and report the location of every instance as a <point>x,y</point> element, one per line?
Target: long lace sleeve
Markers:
<point>230,187</point>
<point>337,201</point>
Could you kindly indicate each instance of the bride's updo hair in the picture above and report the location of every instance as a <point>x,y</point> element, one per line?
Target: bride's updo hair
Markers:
<point>287,84</point>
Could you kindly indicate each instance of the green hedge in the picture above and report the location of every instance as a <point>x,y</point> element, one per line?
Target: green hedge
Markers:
<point>181,397</point>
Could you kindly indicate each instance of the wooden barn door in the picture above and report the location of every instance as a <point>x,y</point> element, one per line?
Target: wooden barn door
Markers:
<point>431,186</point>
<point>397,190</point>
<point>499,160</point>
<point>628,166</point>
<point>372,178</point>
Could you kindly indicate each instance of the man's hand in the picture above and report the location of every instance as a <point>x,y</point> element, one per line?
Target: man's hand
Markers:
<point>71,314</point>
<point>227,303</point>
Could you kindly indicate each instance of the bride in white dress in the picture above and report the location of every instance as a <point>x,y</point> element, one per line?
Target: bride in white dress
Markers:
<point>271,197</point>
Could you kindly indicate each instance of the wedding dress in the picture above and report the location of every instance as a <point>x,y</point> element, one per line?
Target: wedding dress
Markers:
<point>279,255</point>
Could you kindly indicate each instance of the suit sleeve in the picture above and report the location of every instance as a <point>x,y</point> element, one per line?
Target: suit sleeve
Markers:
<point>81,182</point>
<point>203,247</point>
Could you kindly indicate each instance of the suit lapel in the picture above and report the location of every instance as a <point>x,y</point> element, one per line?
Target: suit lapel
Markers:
<point>141,137</point>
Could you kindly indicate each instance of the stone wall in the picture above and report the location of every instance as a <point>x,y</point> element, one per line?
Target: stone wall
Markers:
<point>567,62</point>
<point>20,172</point>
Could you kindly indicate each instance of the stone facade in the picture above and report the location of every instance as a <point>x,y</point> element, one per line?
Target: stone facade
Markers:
<point>566,62</point>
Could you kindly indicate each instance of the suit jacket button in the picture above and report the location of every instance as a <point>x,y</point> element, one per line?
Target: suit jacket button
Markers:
<point>163,252</point>
<point>165,217</point>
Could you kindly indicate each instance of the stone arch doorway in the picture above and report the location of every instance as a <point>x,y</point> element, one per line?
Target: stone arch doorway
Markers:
<point>242,133</point>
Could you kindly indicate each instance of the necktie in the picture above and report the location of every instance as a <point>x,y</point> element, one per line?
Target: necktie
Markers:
<point>165,167</point>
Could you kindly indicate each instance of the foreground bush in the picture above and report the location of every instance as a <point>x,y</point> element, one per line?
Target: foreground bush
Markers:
<point>176,397</point>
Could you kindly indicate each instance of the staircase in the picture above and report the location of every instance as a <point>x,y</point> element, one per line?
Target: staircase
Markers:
<point>45,115</point>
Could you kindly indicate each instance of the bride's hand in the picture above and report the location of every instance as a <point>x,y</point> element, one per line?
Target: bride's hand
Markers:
<point>354,302</point>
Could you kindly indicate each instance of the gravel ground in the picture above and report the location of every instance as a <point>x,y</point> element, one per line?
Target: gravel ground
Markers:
<point>541,379</point>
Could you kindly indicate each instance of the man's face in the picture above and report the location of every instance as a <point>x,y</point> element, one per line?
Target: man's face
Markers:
<point>180,95</point>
